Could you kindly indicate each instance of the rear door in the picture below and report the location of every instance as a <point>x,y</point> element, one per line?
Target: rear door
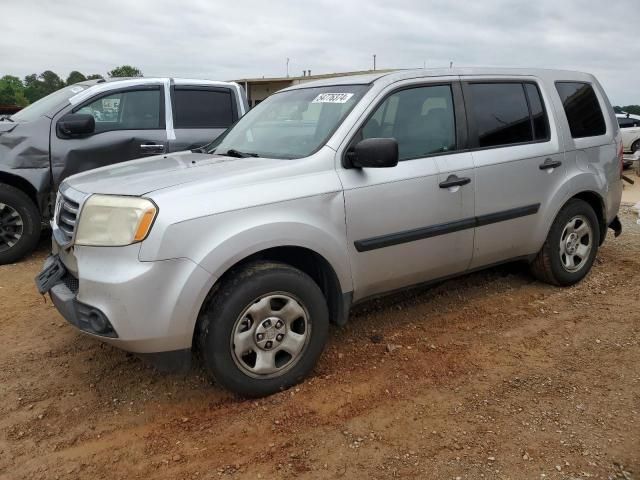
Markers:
<point>130,124</point>
<point>200,114</point>
<point>519,163</point>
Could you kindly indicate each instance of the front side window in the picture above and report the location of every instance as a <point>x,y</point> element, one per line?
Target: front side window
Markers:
<point>500,113</point>
<point>290,124</point>
<point>128,110</point>
<point>421,119</point>
<point>201,108</point>
<point>582,108</point>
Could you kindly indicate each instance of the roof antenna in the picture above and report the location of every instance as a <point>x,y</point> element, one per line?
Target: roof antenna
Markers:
<point>450,64</point>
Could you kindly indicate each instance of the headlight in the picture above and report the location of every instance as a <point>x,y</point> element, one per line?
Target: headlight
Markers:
<point>108,220</point>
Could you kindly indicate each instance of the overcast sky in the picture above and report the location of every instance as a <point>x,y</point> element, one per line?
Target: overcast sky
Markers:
<point>252,38</point>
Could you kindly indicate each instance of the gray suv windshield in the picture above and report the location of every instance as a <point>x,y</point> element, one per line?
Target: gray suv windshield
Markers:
<point>290,124</point>
<point>46,104</point>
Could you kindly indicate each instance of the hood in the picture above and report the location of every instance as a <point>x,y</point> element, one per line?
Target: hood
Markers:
<point>25,144</point>
<point>143,176</point>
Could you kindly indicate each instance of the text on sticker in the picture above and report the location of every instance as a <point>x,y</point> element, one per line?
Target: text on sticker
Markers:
<point>332,98</point>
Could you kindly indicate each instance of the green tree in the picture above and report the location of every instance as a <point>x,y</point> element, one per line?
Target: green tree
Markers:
<point>12,91</point>
<point>125,71</point>
<point>33,88</point>
<point>50,81</point>
<point>95,76</point>
<point>38,86</point>
<point>75,77</point>
<point>633,109</point>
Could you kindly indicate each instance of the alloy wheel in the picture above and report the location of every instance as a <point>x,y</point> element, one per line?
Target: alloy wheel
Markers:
<point>11,227</point>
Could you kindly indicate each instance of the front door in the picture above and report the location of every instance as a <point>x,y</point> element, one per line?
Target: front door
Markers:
<point>413,222</point>
<point>129,124</point>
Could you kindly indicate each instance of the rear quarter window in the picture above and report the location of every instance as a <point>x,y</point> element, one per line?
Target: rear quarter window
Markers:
<point>582,109</point>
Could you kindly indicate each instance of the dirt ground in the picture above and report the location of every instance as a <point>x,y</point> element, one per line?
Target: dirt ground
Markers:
<point>492,375</point>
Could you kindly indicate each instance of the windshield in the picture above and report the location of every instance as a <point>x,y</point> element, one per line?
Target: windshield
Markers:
<point>291,124</point>
<point>46,104</point>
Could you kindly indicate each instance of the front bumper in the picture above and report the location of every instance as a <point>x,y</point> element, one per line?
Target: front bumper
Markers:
<point>150,307</point>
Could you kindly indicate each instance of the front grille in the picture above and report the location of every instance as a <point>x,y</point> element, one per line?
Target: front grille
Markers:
<point>67,217</point>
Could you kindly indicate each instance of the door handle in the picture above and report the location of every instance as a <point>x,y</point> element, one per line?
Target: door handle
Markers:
<point>152,147</point>
<point>455,181</point>
<point>548,164</point>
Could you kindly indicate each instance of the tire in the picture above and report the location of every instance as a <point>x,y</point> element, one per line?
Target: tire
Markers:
<point>635,146</point>
<point>20,224</point>
<point>269,299</point>
<point>553,264</point>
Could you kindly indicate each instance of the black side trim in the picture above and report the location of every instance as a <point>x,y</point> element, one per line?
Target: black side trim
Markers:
<point>507,215</point>
<point>413,235</point>
<point>398,238</point>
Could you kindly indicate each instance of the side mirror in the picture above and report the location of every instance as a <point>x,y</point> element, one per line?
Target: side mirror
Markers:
<point>374,153</point>
<point>77,124</point>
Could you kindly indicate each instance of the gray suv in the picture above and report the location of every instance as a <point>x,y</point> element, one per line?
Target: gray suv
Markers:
<point>325,195</point>
<point>93,124</point>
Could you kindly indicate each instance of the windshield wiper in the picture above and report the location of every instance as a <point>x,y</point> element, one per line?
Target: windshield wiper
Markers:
<point>237,153</point>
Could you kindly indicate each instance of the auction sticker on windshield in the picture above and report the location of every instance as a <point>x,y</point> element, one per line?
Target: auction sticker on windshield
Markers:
<point>332,98</point>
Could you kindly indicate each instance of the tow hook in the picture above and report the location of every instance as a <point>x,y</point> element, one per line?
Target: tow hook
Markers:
<point>616,226</point>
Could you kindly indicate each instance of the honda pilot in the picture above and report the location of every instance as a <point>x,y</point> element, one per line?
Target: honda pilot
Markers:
<point>327,194</point>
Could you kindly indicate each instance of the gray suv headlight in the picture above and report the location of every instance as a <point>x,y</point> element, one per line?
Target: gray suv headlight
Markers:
<point>113,221</point>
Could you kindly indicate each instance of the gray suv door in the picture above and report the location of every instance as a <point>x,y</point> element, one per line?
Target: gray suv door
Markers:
<point>129,122</point>
<point>520,169</point>
<point>414,222</point>
<point>200,114</point>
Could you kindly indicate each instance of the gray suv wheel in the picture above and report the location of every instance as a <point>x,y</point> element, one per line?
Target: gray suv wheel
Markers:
<point>264,329</point>
<point>571,246</point>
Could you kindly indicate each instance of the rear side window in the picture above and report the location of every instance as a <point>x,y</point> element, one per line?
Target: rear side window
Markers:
<point>582,108</point>
<point>500,113</point>
<point>538,116</point>
<point>203,108</point>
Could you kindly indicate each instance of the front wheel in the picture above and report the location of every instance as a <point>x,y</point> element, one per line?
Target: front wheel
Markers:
<point>635,146</point>
<point>20,224</point>
<point>571,246</point>
<point>264,330</point>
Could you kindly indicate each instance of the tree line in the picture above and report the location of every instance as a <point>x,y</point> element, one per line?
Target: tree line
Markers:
<point>633,109</point>
<point>22,92</point>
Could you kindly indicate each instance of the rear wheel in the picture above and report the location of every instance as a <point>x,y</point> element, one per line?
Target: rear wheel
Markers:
<point>264,330</point>
<point>19,224</point>
<point>571,246</point>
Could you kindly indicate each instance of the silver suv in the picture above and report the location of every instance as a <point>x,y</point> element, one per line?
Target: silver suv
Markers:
<point>327,194</point>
